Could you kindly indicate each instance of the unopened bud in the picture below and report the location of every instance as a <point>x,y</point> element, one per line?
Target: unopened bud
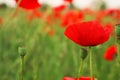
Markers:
<point>22,51</point>
<point>83,53</point>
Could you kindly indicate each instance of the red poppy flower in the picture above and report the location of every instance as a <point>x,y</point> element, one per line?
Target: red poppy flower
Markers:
<point>109,27</point>
<point>49,19</point>
<point>29,4</point>
<point>89,33</point>
<point>59,8</point>
<point>86,78</point>
<point>81,78</point>
<point>110,53</point>
<point>115,13</point>
<point>37,13</point>
<point>34,14</point>
<point>51,32</point>
<point>88,11</point>
<point>57,11</point>
<point>1,21</point>
<point>68,17</point>
<point>70,1</point>
<point>100,15</point>
<point>68,78</point>
<point>71,17</point>
<point>112,12</point>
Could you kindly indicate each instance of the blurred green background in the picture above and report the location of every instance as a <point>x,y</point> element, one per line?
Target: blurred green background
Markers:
<point>49,56</point>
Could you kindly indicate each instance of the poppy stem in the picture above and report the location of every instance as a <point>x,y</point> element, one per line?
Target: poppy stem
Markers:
<point>118,52</point>
<point>22,52</point>
<point>117,40</point>
<point>22,67</point>
<point>80,68</point>
<point>91,71</point>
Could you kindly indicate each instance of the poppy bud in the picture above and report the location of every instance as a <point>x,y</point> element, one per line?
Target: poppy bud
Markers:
<point>83,53</point>
<point>22,51</point>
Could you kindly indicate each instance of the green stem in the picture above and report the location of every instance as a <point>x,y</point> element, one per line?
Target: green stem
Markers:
<point>91,71</point>
<point>22,67</point>
<point>80,68</point>
<point>118,51</point>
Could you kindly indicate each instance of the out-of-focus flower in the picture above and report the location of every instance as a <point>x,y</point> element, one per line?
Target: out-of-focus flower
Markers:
<point>110,53</point>
<point>57,11</point>
<point>68,78</point>
<point>115,13</point>
<point>48,19</point>
<point>59,8</point>
<point>89,33</point>
<point>100,15</point>
<point>35,14</point>
<point>85,78</point>
<point>51,32</point>
<point>1,21</point>
<point>29,4</point>
<point>71,16</point>
<point>81,78</point>
<point>112,12</point>
<point>48,30</point>
<point>70,1</point>
<point>88,11</point>
<point>109,28</point>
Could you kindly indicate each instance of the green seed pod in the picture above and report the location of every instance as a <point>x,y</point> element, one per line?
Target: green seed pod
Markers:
<point>84,53</point>
<point>22,51</point>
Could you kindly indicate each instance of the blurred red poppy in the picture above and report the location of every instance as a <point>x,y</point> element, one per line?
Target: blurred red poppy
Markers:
<point>110,53</point>
<point>57,11</point>
<point>34,14</point>
<point>51,32</point>
<point>1,21</point>
<point>71,16</point>
<point>88,11</point>
<point>100,15</point>
<point>68,78</point>
<point>81,78</point>
<point>115,13</point>
<point>29,4</point>
<point>112,12</point>
<point>48,19</point>
<point>70,1</point>
<point>89,33</point>
<point>59,8</point>
<point>86,78</point>
<point>109,27</point>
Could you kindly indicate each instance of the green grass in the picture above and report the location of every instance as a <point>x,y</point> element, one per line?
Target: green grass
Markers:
<point>48,57</point>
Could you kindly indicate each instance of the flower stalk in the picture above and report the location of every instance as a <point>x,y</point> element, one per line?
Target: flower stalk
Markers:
<point>22,70</point>
<point>91,70</point>
<point>83,57</point>
<point>22,52</point>
<point>117,31</point>
<point>80,68</point>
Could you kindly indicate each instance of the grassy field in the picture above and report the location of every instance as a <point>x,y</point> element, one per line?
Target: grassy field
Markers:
<point>49,57</point>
